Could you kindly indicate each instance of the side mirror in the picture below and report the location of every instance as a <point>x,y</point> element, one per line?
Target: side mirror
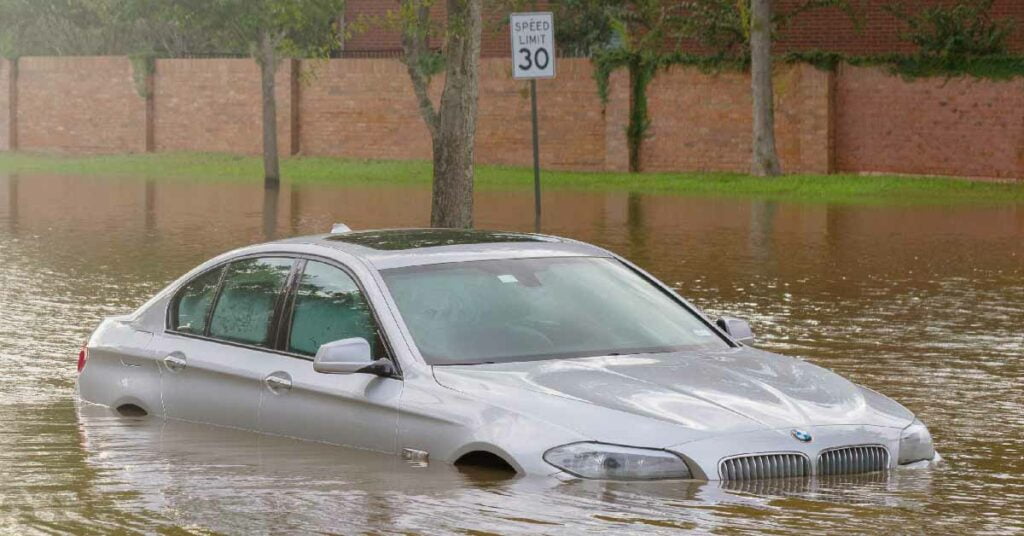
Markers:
<point>350,356</point>
<point>737,328</point>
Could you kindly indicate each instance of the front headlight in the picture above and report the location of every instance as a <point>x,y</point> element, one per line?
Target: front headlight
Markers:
<point>916,443</point>
<point>613,462</point>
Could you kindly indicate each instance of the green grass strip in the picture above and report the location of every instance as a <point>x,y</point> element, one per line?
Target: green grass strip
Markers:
<point>842,188</point>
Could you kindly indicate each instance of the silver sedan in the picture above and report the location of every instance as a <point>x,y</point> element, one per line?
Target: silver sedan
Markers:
<point>529,353</point>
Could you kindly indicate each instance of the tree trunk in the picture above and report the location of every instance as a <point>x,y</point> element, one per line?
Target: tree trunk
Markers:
<point>765,159</point>
<point>454,140</point>
<point>267,61</point>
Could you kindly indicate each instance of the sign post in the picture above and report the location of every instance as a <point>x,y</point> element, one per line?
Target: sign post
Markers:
<point>533,57</point>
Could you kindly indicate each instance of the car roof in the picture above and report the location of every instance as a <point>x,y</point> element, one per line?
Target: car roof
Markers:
<point>393,248</point>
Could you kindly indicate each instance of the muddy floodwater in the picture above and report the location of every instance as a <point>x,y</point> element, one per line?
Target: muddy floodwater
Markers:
<point>922,303</point>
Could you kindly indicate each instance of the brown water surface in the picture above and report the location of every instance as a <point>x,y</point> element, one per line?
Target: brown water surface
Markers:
<point>925,304</point>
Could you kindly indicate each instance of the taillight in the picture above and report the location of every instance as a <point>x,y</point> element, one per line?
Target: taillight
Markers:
<point>83,355</point>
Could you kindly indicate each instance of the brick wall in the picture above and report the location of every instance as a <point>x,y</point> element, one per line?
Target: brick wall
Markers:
<point>365,108</point>
<point>856,120</point>
<point>79,105</point>
<point>362,108</point>
<point>570,119</point>
<point>215,105</point>
<point>616,121</point>
<point>6,68</point>
<point>931,126</point>
<point>704,122</point>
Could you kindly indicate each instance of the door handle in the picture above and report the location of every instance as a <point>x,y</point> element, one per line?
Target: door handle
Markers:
<point>278,383</point>
<point>176,362</point>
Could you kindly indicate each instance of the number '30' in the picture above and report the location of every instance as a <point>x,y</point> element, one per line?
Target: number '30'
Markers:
<point>539,59</point>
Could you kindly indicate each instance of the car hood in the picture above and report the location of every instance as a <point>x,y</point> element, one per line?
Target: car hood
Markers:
<point>733,391</point>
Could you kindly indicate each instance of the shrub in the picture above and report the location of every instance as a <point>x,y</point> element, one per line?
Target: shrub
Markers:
<point>964,29</point>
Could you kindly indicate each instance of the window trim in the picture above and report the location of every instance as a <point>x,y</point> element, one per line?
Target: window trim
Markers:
<point>284,303</point>
<point>284,328</point>
<point>171,312</point>
<point>173,317</point>
<point>216,299</point>
<point>678,298</point>
<point>274,313</point>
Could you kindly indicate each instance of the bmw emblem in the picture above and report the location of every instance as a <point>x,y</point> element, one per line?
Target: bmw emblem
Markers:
<point>801,435</point>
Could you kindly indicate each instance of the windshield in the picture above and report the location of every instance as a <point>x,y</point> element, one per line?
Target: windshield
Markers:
<point>548,308</point>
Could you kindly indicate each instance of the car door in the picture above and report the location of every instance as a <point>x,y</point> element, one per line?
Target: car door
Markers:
<point>222,323</point>
<point>357,410</point>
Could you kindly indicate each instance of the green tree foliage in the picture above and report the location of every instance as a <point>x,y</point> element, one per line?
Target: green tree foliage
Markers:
<point>722,27</point>
<point>59,27</point>
<point>100,27</point>
<point>294,28</point>
<point>952,39</point>
<point>961,30</point>
<point>583,27</point>
<point>167,27</point>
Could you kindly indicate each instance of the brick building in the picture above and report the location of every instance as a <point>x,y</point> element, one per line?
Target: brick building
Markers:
<point>823,29</point>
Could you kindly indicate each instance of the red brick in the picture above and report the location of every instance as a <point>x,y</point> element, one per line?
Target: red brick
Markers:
<point>216,105</point>
<point>932,126</point>
<point>365,108</point>
<point>704,121</point>
<point>5,104</point>
<point>79,105</point>
<point>361,108</point>
<point>858,119</point>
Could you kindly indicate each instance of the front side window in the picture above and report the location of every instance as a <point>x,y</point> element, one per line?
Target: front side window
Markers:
<point>329,307</point>
<point>245,309</point>
<point>546,308</point>
<point>192,304</point>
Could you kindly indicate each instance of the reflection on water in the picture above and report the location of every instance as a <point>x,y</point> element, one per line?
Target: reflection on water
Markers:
<point>12,199</point>
<point>924,304</point>
<point>271,202</point>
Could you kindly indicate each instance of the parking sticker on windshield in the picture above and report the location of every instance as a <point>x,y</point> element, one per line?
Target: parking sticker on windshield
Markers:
<point>702,332</point>
<point>508,278</point>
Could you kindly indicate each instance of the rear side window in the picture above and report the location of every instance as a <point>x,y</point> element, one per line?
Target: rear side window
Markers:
<point>245,309</point>
<point>192,305</point>
<point>329,307</point>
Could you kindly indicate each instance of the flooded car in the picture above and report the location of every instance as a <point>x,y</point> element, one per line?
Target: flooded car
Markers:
<point>534,353</point>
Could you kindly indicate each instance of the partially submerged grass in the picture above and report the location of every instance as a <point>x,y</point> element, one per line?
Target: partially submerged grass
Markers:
<point>871,189</point>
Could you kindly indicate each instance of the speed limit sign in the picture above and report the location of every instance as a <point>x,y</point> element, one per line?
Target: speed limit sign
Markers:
<point>533,45</point>
<point>533,57</point>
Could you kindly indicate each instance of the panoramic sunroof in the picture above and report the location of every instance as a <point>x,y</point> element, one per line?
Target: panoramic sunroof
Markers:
<point>395,240</point>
